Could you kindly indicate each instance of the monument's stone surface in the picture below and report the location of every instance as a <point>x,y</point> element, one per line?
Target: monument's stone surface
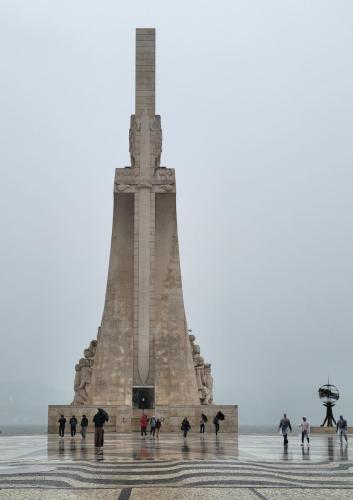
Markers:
<point>143,356</point>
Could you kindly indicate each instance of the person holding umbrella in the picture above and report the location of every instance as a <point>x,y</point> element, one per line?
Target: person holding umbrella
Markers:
<point>99,420</point>
<point>217,418</point>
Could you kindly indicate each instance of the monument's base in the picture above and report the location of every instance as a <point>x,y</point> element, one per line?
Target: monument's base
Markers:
<point>125,419</point>
<point>327,430</point>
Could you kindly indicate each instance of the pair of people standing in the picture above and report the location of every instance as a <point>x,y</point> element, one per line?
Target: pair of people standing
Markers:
<point>285,426</point>
<point>156,425</point>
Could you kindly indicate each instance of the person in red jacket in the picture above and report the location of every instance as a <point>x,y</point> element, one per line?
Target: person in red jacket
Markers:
<point>143,423</point>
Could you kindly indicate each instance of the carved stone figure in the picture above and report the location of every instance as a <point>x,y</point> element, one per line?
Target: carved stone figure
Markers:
<point>84,374</point>
<point>135,127</point>
<point>90,352</point>
<point>156,139</point>
<point>203,374</point>
<point>208,382</point>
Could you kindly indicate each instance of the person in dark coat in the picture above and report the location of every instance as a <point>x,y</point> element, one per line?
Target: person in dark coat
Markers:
<point>158,427</point>
<point>185,427</point>
<point>84,425</point>
<point>284,425</point>
<point>62,422</point>
<point>216,423</point>
<point>99,420</point>
<point>73,423</point>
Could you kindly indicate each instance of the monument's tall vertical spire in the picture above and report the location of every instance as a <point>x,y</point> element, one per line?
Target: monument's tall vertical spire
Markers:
<point>144,201</point>
<point>145,71</point>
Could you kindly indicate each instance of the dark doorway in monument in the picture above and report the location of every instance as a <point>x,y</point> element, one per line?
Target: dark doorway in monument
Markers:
<point>143,398</point>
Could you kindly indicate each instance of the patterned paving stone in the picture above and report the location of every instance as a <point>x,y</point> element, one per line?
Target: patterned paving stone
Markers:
<point>39,494</point>
<point>255,466</point>
<point>193,494</point>
<point>300,494</point>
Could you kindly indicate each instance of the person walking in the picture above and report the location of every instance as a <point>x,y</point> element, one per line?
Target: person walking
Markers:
<point>84,425</point>
<point>62,422</point>
<point>73,423</point>
<point>284,425</point>
<point>153,422</point>
<point>185,426</point>
<point>202,424</point>
<point>99,420</point>
<point>158,427</point>
<point>305,427</point>
<point>342,429</point>
<point>143,424</point>
<point>216,423</point>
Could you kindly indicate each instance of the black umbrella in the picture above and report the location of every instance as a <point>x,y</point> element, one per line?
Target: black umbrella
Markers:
<point>204,418</point>
<point>104,413</point>
<point>220,415</point>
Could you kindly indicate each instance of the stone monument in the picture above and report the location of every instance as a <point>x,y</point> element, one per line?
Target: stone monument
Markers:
<point>143,358</point>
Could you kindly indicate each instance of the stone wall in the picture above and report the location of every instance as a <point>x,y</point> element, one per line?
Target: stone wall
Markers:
<point>175,380</point>
<point>112,370</point>
<point>125,419</point>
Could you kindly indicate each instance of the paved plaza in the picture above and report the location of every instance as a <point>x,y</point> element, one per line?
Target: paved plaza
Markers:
<point>248,466</point>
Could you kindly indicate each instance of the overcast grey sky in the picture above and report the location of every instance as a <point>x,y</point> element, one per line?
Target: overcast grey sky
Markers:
<point>256,99</point>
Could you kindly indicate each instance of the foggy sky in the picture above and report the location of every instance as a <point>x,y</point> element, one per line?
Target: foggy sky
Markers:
<point>257,117</point>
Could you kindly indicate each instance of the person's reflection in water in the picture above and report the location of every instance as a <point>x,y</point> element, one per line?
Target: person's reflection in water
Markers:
<point>203,446</point>
<point>219,449</point>
<point>142,453</point>
<point>99,456</point>
<point>72,445</point>
<point>157,448</point>
<point>343,452</point>
<point>152,447</point>
<point>305,453</point>
<point>83,451</point>
<point>185,450</point>
<point>61,447</point>
<point>286,455</point>
<point>330,449</point>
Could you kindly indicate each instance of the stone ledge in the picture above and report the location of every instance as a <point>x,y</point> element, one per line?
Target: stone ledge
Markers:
<point>327,430</point>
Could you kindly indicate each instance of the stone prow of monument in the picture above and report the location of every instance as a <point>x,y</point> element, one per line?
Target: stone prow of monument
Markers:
<point>143,358</point>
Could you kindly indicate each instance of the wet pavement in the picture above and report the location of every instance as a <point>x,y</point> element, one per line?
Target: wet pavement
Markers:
<point>247,466</point>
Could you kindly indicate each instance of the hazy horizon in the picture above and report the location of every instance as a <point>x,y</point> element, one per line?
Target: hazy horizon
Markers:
<point>257,116</point>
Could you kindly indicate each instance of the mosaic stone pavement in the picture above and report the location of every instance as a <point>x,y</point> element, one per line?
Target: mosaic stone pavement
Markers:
<point>248,466</point>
